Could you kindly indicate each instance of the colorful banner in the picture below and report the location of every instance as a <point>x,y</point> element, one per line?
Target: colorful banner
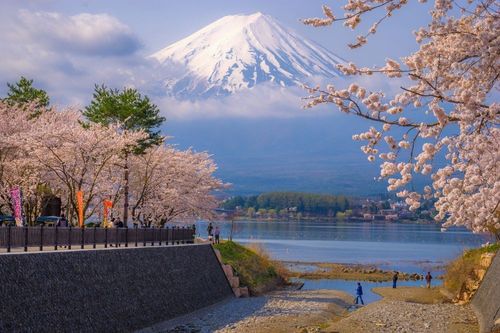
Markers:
<point>108,204</point>
<point>17,205</point>
<point>79,202</point>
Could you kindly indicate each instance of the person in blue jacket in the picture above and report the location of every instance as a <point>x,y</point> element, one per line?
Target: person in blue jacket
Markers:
<point>359,294</point>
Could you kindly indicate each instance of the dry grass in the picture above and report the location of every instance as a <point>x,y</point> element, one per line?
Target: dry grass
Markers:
<point>462,268</point>
<point>253,266</point>
<point>279,267</point>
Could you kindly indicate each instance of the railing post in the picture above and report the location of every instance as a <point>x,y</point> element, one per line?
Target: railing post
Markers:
<point>41,237</point>
<point>144,237</point>
<point>136,233</point>
<point>160,235</point>
<point>105,237</point>
<point>116,237</point>
<point>152,236</point>
<point>25,238</point>
<point>126,236</point>
<point>168,232</point>
<point>83,237</point>
<point>173,235</point>
<point>69,236</point>
<point>55,237</point>
<point>9,227</point>
<point>183,233</point>
<point>95,231</point>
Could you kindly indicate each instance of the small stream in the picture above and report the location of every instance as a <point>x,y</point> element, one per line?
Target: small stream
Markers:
<point>349,286</point>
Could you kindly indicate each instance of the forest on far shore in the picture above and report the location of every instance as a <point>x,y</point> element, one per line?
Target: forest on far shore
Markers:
<point>280,202</point>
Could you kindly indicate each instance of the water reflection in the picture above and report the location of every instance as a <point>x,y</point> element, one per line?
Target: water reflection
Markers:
<point>409,247</point>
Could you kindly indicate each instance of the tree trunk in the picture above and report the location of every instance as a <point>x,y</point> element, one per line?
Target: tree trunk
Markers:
<point>125,192</point>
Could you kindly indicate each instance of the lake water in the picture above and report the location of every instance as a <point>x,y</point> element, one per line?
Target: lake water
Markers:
<point>350,286</point>
<point>414,248</point>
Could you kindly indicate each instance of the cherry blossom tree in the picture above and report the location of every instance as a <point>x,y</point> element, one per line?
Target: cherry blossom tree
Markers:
<point>17,168</point>
<point>78,158</point>
<point>447,108</point>
<point>167,184</point>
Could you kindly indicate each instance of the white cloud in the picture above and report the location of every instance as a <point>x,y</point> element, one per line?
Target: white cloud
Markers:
<point>90,34</point>
<point>68,55</point>
<point>262,101</point>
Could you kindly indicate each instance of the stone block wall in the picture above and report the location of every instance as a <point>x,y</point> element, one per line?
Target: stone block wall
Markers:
<point>486,301</point>
<point>107,290</point>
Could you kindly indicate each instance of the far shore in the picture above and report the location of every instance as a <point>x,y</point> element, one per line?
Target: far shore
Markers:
<point>360,272</point>
<point>330,219</point>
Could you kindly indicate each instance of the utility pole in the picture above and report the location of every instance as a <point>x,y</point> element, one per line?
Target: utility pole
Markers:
<point>125,192</point>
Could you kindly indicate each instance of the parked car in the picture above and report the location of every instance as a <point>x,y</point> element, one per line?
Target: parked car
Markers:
<point>7,220</point>
<point>49,221</point>
<point>92,224</point>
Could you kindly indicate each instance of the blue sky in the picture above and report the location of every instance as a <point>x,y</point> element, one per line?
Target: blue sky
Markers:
<point>68,46</point>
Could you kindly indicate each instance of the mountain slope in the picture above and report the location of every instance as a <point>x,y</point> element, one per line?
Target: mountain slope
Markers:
<point>238,52</point>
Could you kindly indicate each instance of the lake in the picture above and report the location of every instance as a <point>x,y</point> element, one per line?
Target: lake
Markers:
<point>414,248</point>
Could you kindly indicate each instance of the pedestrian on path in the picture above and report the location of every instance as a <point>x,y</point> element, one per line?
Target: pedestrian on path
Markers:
<point>359,294</point>
<point>62,221</point>
<point>395,279</point>
<point>217,234</point>
<point>428,279</point>
<point>210,229</point>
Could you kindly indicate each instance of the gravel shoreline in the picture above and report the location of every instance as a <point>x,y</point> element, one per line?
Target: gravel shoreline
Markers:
<point>399,316</point>
<point>279,311</point>
<point>301,311</point>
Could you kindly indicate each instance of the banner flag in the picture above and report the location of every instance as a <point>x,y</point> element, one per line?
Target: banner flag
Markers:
<point>17,205</point>
<point>108,204</point>
<point>79,202</point>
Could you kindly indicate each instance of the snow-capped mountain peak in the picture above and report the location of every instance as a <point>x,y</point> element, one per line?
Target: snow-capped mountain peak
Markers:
<point>238,52</point>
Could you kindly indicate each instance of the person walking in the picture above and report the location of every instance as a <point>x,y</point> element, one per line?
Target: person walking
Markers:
<point>359,294</point>
<point>395,279</point>
<point>217,234</point>
<point>62,221</point>
<point>428,279</point>
<point>210,229</point>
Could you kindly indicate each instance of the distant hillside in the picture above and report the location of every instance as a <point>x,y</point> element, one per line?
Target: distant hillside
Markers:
<point>285,202</point>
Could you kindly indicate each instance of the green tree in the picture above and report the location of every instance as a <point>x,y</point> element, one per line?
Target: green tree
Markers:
<point>134,112</point>
<point>23,92</point>
<point>129,108</point>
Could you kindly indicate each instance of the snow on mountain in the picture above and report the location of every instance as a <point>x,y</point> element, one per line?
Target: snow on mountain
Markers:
<point>238,52</point>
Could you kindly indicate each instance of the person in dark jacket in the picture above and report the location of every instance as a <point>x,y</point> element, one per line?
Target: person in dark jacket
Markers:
<point>217,234</point>
<point>428,279</point>
<point>62,221</point>
<point>395,279</point>
<point>210,229</point>
<point>359,294</point>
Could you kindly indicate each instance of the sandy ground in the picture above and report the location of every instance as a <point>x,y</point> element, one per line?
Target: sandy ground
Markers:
<point>279,312</point>
<point>408,309</point>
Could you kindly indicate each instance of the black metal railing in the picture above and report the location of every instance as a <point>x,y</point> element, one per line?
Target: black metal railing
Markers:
<point>53,238</point>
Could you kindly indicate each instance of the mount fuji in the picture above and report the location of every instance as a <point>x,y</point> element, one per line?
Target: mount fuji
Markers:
<point>238,52</point>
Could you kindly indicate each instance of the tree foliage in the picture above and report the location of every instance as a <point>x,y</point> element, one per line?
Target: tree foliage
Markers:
<point>23,93</point>
<point>129,108</point>
<point>316,204</point>
<point>448,106</point>
<point>55,152</point>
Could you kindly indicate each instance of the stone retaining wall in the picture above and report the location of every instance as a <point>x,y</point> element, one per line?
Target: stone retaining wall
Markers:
<point>486,301</point>
<point>113,290</point>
